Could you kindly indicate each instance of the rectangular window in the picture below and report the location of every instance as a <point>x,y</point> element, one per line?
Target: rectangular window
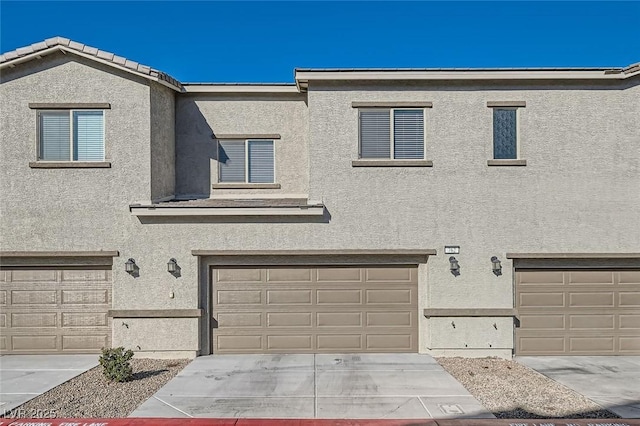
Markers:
<point>396,134</point>
<point>71,135</point>
<point>505,137</point>
<point>246,161</point>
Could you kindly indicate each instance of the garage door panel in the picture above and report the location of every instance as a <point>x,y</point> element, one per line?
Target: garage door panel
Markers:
<point>34,343</point>
<point>33,297</point>
<point>31,275</point>
<point>596,299</point>
<point>629,277</point>
<point>339,275</point>
<point>3,297</point>
<point>310,310</point>
<point>85,297</point>
<point>604,278</point>
<point>339,319</point>
<point>540,278</point>
<point>34,320</point>
<point>296,275</point>
<point>590,322</point>
<point>289,319</point>
<point>285,342</point>
<point>289,297</point>
<point>238,275</point>
<point>339,297</point>
<point>591,344</point>
<point>600,318</point>
<point>546,299</point>
<point>56,309</point>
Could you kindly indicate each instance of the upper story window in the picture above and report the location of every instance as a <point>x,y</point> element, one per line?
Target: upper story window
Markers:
<point>392,133</point>
<point>71,135</point>
<point>506,137</point>
<point>246,161</point>
<point>505,133</point>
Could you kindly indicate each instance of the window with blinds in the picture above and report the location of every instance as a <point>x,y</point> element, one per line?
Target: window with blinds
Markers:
<point>505,137</point>
<point>71,135</point>
<point>392,134</point>
<point>246,161</point>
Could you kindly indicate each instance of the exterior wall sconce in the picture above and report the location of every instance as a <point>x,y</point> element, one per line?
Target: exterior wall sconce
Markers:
<point>173,268</point>
<point>496,266</point>
<point>454,266</point>
<point>131,268</point>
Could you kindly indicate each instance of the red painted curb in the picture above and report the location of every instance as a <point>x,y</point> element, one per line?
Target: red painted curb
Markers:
<point>316,422</point>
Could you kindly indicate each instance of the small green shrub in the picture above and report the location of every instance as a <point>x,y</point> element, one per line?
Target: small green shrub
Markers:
<point>115,364</point>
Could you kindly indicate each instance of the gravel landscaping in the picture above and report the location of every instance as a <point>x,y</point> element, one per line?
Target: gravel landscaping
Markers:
<point>92,395</point>
<point>512,391</point>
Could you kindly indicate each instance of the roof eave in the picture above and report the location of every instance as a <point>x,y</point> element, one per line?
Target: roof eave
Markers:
<point>60,48</point>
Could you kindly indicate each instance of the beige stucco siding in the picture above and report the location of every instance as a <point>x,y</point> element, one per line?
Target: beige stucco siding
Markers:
<point>199,117</point>
<point>162,147</point>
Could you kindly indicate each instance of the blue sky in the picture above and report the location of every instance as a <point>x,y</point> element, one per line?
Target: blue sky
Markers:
<point>264,41</point>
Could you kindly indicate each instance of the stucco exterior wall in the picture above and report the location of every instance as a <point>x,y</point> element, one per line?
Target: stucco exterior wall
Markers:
<point>578,192</point>
<point>162,147</point>
<point>200,116</point>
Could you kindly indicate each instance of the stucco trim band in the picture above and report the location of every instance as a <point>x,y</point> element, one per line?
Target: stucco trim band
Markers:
<point>573,255</point>
<point>471,312</point>
<point>70,106</point>
<point>248,136</point>
<point>506,162</point>
<point>245,186</point>
<point>228,211</point>
<point>100,253</point>
<point>392,104</point>
<point>70,164</point>
<point>391,163</point>
<point>349,252</point>
<point>506,104</point>
<point>155,313</point>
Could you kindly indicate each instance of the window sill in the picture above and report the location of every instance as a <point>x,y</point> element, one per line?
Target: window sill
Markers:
<point>245,186</point>
<point>70,164</point>
<point>506,162</point>
<point>392,163</point>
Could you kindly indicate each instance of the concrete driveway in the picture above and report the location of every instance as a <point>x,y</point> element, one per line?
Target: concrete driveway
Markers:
<point>23,377</point>
<point>610,381</point>
<point>313,386</point>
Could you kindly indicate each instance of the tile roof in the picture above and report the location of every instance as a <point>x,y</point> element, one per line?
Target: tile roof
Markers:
<point>63,43</point>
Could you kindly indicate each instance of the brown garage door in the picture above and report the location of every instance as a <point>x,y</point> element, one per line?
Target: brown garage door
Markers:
<point>49,310</point>
<point>314,310</point>
<point>578,312</point>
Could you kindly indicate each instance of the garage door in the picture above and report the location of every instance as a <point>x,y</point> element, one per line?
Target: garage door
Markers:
<point>578,312</point>
<point>54,310</point>
<point>315,310</point>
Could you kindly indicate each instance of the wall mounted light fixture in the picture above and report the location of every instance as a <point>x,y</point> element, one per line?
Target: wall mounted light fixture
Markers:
<point>454,266</point>
<point>131,268</point>
<point>173,268</point>
<point>496,266</point>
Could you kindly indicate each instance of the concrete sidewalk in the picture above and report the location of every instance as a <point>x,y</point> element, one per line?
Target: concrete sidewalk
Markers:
<point>613,382</point>
<point>382,386</point>
<point>23,377</point>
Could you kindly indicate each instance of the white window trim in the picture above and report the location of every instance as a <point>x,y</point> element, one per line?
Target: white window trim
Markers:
<point>70,111</point>
<point>392,128</point>
<point>246,158</point>
<point>493,148</point>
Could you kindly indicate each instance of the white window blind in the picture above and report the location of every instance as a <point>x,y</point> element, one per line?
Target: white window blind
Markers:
<point>88,136</point>
<point>231,157</point>
<point>408,134</point>
<point>260,161</point>
<point>375,135</point>
<point>55,136</point>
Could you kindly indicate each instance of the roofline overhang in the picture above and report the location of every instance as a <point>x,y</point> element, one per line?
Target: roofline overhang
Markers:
<point>60,48</point>
<point>304,76</point>
<point>240,88</point>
